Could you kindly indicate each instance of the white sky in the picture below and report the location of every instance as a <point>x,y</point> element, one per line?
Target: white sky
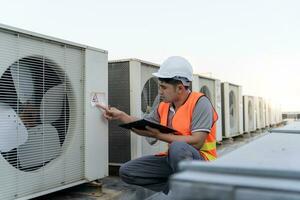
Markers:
<point>252,43</point>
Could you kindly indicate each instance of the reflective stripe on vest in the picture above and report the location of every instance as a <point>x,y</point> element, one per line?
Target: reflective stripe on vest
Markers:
<point>182,121</point>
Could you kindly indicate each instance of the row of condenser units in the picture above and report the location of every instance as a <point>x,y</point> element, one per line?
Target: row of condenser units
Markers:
<point>52,138</point>
<point>132,88</point>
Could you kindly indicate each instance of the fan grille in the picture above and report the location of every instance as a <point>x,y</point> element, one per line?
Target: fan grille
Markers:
<point>22,87</point>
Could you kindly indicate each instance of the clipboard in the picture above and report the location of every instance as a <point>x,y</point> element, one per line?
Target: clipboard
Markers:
<point>141,124</point>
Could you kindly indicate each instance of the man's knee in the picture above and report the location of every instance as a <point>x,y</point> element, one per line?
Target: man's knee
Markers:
<point>180,151</point>
<point>177,147</point>
<point>124,173</point>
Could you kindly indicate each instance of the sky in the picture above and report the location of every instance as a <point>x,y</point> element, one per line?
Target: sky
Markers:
<point>254,43</point>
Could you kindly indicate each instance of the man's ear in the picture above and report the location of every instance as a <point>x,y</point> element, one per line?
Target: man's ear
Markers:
<point>180,88</point>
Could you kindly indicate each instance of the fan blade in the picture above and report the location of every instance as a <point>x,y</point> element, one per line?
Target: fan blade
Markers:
<point>52,104</point>
<point>23,82</point>
<point>42,146</point>
<point>12,132</point>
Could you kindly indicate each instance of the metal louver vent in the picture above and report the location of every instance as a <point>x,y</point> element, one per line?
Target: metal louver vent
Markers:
<point>34,109</point>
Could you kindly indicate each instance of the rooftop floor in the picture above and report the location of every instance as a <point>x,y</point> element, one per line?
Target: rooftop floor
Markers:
<point>113,188</point>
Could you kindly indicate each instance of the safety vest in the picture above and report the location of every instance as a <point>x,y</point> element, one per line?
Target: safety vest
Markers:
<point>182,121</point>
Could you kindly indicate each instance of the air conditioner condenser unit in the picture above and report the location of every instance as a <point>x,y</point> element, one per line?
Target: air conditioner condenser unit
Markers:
<point>249,114</point>
<point>51,137</point>
<point>133,89</point>
<point>260,113</point>
<point>232,110</point>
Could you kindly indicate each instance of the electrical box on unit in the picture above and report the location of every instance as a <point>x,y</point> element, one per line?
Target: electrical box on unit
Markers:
<point>212,89</point>
<point>133,89</point>
<point>234,176</point>
<point>249,114</point>
<point>232,110</point>
<point>50,136</point>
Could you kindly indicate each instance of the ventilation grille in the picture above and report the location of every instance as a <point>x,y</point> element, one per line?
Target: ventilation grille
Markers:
<point>119,96</point>
<point>40,147</point>
<point>34,101</point>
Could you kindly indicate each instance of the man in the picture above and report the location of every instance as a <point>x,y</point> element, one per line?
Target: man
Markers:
<point>190,113</point>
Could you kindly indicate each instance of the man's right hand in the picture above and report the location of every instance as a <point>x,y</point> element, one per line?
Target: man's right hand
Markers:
<point>111,113</point>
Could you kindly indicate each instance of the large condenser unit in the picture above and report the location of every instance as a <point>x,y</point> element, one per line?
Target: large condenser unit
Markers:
<point>133,89</point>
<point>51,137</point>
<point>249,114</point>
<point>260,113</point>
<point>212,89</point>
<point>232,110</point>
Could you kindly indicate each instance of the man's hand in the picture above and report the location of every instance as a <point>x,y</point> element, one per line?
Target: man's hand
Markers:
<point>150,132</point>
<point>110,113</point>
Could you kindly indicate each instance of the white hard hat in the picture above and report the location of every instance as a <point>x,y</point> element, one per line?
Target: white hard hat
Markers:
<point>175,66</point>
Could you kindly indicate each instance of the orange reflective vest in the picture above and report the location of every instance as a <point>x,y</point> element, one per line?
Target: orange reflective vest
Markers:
<point>182,121</point>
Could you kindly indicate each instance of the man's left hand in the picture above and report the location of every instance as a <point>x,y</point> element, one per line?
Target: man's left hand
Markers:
<point>150,132</point>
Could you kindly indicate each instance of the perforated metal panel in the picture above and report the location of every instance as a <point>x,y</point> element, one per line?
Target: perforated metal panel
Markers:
<point>119,96</point>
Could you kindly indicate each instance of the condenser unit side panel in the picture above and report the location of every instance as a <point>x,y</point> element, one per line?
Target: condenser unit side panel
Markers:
<point>240,111</point>
<point>96,156</point>
<point>195,83</point>
<point>218,108</point>
<point>119,97</point>
<point>245,114</point>
<point>223,109</point>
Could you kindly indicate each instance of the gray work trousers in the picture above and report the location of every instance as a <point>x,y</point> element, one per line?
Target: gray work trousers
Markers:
<point>152,172</point>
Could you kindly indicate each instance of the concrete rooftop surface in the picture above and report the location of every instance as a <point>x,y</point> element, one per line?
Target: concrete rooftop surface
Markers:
<point>113,188</point>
